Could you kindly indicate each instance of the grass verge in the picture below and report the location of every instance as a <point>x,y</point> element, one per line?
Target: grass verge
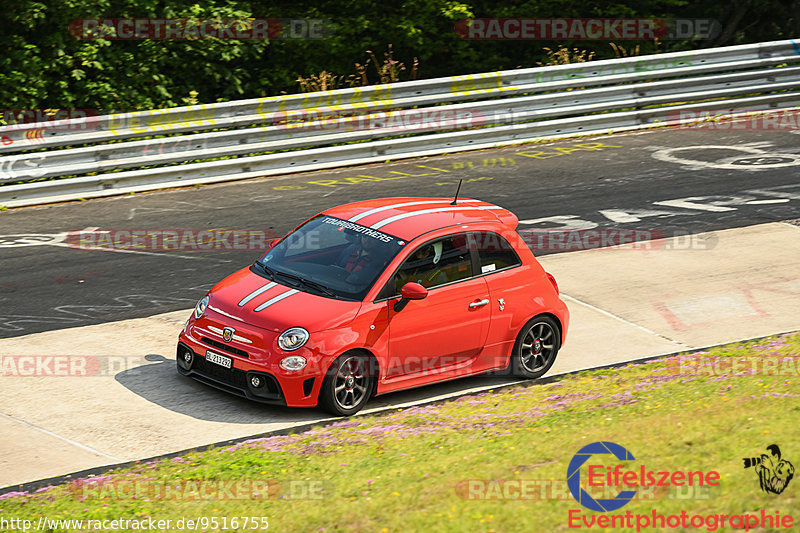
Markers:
<point>445,467</point>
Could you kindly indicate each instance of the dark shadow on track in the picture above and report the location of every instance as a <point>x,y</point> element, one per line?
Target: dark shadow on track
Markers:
<point>160,383</point>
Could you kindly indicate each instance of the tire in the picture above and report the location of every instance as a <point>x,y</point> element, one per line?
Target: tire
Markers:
<point>528,362</point>
<point>348,385</point>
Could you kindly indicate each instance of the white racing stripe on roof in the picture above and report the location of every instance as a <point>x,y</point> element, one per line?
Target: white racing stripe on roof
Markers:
<point>393,206</point>
<point>256,292</point>
<point>276,299</point>
<point>428,211</point>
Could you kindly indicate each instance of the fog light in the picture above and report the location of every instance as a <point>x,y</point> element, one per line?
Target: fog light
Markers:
<point>185,357</point>
<point>256,382</point>
<point>293,363</point>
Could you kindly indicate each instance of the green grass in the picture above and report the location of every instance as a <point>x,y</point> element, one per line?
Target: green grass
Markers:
<point>407,470</point>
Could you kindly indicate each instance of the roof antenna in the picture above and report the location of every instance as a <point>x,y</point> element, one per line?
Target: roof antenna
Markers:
<point>457,191</point>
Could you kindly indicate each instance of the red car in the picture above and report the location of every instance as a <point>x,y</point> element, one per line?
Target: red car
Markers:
<point>373,297</point>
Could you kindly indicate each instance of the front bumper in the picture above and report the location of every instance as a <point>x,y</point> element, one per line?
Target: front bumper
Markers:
<point>279,387</point>
<point>232,380</point>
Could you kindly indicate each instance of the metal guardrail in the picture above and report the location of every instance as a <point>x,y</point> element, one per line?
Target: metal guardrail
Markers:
<point>321,130</point>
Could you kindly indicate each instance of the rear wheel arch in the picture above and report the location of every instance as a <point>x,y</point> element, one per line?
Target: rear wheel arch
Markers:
<point>531,357</point>
<point>558,323</point>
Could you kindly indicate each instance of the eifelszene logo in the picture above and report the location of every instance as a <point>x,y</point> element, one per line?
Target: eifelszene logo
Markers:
<point>598,488</point>
<point>612,478</point>
<point>774,472</point>
<point>574,477</point>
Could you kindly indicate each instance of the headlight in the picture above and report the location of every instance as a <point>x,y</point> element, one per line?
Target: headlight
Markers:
<point>292,339</point>
<point>293,362</point>
<point>200,308</point>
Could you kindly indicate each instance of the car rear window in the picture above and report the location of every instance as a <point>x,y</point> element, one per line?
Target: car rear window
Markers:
<point>494,251</point>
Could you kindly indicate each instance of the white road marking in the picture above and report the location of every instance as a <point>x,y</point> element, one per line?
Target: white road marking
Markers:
<point>65,439</point>
<point>157,254</point>
<point>686,203</point>
<point>627,322</point>
<point>775,201</point>
<point>567,222</point>
<point>737,162</point>
<point>59,239</point>
<point>624,216</point>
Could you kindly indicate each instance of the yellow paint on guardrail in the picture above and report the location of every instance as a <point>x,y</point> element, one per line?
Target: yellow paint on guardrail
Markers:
<point>162,120</point>
<point>472,84</point>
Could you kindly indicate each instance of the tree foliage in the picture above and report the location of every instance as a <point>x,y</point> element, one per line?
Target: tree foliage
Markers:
<point>44,66</point>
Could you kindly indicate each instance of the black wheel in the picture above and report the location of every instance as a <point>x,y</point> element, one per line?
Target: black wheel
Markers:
<point>348,385</point>
<point>536,348</point>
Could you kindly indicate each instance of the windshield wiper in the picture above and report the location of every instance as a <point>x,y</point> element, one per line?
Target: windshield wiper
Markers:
<point>312,284</point>
<point>270,273</point>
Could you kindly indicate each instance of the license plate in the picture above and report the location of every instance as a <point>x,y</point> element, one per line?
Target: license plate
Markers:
<point>221,360</point>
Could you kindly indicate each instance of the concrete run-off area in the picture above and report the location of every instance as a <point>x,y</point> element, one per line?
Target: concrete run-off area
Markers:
<point>626,302</point>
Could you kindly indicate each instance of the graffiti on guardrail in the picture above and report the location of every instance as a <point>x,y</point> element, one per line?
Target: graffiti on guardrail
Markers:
<point>162,120</point>
<point>478,84</point>
<point>24,167</point>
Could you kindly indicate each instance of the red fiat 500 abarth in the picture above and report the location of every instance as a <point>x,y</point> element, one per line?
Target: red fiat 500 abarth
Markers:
<point>373,297</point>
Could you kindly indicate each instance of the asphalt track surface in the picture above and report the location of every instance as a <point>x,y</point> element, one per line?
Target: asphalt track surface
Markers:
<point>665,182</point>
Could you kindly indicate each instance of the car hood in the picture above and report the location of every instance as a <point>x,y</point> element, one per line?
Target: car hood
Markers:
<point>238,297</point>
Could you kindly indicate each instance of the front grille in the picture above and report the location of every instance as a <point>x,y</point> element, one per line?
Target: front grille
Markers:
<point>223,346</point>
<point>232,379</point>
<point>229,376</point>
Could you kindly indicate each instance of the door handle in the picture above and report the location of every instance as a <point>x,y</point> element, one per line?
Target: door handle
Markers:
<point>481,303</point>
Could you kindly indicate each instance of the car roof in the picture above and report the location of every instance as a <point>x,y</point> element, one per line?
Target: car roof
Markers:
<point>411,217</point>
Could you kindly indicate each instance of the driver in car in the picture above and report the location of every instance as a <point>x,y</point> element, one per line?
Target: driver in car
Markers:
<point>423,268</point>
<point>362,259</point>
<point>359,255</point>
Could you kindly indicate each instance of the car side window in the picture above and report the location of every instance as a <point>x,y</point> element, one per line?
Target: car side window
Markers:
<point>494,251</point>
<point>435,263</point>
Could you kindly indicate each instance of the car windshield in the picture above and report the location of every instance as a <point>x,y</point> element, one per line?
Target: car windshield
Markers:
<point>330,257</point>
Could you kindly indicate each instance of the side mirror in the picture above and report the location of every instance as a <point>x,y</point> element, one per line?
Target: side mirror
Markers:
<point>410,291</point>
<point>274,242</point>
<point>413,291</point>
